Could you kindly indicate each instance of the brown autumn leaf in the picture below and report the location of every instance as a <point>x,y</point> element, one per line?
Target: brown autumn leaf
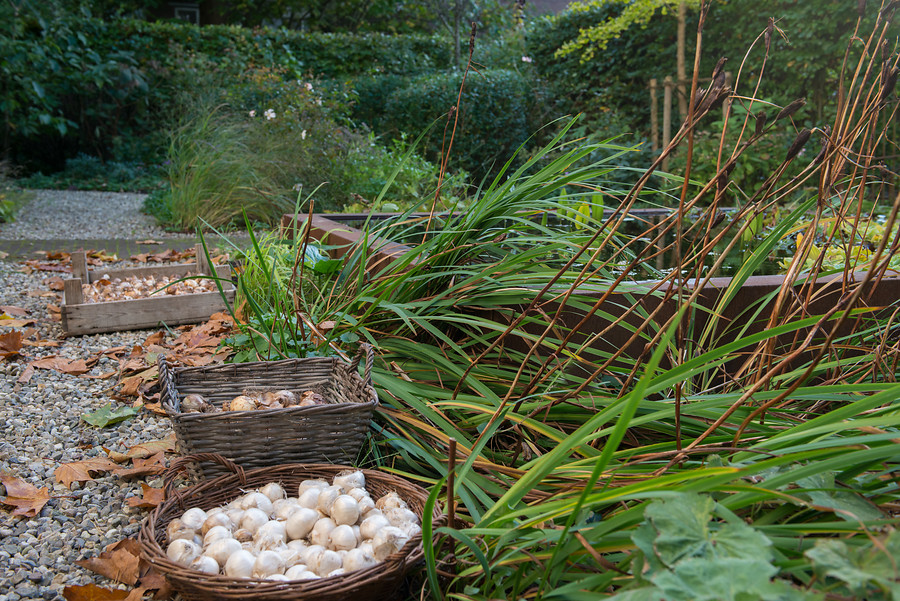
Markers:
<point>10,345</point>
<point>80,471</point>
<point>10,322</point>
<point>92,592</point>
<point>152,447</point>
<point>73,367</point>
<point>13,311</point>
<point>119,561</point>
<point>27,499</point>
<point>26,374</point>
<point>155,338</point>
<point>150,499</point>
<point>153,580</point>
<point>149,466</point>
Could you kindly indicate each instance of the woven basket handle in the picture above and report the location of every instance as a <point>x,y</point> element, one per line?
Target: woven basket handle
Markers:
<point>364,349</point>
<point>180,465</point>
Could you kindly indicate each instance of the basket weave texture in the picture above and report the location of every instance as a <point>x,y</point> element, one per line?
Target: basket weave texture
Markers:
<point>332,433</point>
<point>381,581</point>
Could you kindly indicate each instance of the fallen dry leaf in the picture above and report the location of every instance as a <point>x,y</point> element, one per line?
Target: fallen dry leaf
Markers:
<point>10,322</point>
<point>26,374</point>
<point>152,447</point>
<point>10,345</point>
<point>155,338</point>
<point>55,283</point>
<point>14,311</point>
<point>119,562</point>
<point>92,592</point>
<point>73,367</point>
<point>149,466</point>
<point>80,471</point>
<point>151,497</point>
<point>148,241</point>
<point>27,499</point>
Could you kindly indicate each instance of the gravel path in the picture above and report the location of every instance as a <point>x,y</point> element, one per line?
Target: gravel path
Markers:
<point>40,420</point>
<point>55,214</point>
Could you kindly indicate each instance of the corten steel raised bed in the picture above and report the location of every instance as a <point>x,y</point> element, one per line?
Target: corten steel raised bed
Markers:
<point>882,294</point>
<point>79,317</point>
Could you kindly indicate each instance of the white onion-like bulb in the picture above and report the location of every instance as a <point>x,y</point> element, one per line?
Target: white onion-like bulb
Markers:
<point>216,533</point>
<point>271,534</point>
<point>240,564</point>
<point>183,551</point>
<point>310,497</point>
<point>268,563</point>
<point>390,501</point>
<point>358,494</point>
<point>220,518</point>
<point>344,510</point>
<point>222,549</point>
<point>366,506</point>
<point>342,538</point>
<point>388,541</point>
<point>311,557</point>
<point>401,517</point>
<point>337,572</point>
<point>301,522</point>
<point>329,561</point>
<point>327,498</point>
<point>371,525</point>
<point>283,508</point>
<point>277,577</point>
<point>235,514</point>
<point>193,518</point>
<point>242,535</point>
<point>295,572</point>
<point>350,479</point>
<point>299,545</point>
<point>259,501</point>
<point>253,519</point>
<point>177,530</point>
<point>274,491</point>
<point>302,574</point>
<point>321,532</point>
<point>205,564</point>
<point>307,484</point>
<point>289,556</point>
<point>358,559</point>
<point>366,547</point>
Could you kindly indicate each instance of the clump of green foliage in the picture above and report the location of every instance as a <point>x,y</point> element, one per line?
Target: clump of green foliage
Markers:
<point>85,172</point>
<point>274,139</point>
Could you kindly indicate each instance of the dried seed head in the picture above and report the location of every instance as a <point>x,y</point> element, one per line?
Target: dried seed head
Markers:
<point>888,82</point>
<point>770,28</point>
<point>761,119</point>
<point>798,144</point>
<point>790,109</point>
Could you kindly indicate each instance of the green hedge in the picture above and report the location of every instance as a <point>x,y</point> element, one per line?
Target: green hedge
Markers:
<point>493,122</point>
<point>79,85</point>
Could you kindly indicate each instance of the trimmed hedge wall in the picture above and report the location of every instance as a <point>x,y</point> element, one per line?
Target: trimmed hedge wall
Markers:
<point>81,85</point>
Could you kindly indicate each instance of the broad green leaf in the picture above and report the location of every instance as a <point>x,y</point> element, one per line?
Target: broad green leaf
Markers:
<point>106,415</point>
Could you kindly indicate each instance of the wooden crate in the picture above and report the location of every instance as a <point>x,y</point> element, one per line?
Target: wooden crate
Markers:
<point>79,317</point>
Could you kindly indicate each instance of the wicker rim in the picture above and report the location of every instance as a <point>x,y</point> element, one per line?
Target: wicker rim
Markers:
<point>171,404</point>
<point>230,485</point>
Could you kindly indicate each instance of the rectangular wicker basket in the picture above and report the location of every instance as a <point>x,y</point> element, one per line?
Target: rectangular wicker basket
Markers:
<point>330,433</point>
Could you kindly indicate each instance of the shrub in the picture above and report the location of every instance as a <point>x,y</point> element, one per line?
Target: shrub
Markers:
<point>492,121</point>
<point>71,84</point>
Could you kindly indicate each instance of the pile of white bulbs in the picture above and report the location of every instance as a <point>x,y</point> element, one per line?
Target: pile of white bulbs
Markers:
<point>326,530</point>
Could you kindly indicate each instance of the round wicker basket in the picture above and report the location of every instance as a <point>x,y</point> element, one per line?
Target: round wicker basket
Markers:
<point>381,581</point>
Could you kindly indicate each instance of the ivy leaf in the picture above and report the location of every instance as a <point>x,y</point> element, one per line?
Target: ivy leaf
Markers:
<point>860,567</point>
<point>106,415</point>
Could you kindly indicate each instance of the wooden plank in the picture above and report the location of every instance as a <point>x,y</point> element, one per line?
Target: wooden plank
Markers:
<point>72,292</point>
<point>137,314</point>
<point>79,267</point>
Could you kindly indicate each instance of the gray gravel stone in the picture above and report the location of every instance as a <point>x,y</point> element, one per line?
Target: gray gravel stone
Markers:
<point>42,428</point>
<point>55,214</point>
